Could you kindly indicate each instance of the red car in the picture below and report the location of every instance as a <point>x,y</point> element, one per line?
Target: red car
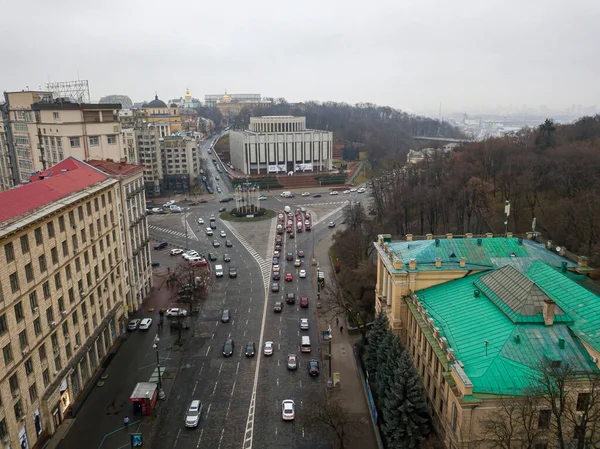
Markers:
<point>278,307</point>
<point>289,277</point>
<point>304,302</point>
<point>199,263</point>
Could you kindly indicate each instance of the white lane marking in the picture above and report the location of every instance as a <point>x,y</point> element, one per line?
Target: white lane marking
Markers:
<point>208,411</point>
<point>221,439</point>
<point>200,439</point>
<point>233,388</point>
<point>215,389</point>
<point>220,368</point>
<point>208,350</point>
<point>177,438</point>
<point>237,369</point>
<point>194,390</point>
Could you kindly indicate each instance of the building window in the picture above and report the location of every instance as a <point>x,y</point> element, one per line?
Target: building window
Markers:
<point>3,429</point>
<point>65,248</point>
<point>50,315</point>
<point>14,282</point>
<point>54,255</point>
<point>77,264</point>
<point>42,352</point>
<point>24,244</point>
<point>61,304</point>
<point>42,261</point>
<point>33,392</point>
<point>23,342</point>
<point>33,302</point>
<point>454,416</point>
<point>94,141</point>
<point>55,115</point>
<point>68,272</point>
<point>37,326</point>
<point>544,419</point>
<point>583,401</point>
<point>38,236</point>
<point>9,252</point>
<point>61,223</point>
<point>3,324</point>
<point>46,288</point>
<point>57,281</point>
<point>7,353</point>
<point>50,227</point>
<point>46,376</point>
<point>29,272</point>
<point>74,142</point>
<point>71,296</point>
<point>112,139</point>
<point>19,315</point>
<point>75,318</point>
<point>18,409</point>
<point>80,212</point>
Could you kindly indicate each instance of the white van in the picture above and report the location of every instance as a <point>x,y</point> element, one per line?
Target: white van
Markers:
<point>218,270</point>
<point>305,345</point>
<point>286,194</point>
<point>195,259</point>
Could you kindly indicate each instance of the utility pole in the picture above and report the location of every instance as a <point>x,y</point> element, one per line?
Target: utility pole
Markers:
<point>185,225</point>
<point>330,380</point>
<point>161,393</point>
<point>506,214</point>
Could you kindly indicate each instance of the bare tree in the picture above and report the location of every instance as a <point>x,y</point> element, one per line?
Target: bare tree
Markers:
<point>336,420</point>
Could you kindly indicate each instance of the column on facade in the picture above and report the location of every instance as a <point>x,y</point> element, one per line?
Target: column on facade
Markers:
<point>384,281</point>
<point>390,290</point>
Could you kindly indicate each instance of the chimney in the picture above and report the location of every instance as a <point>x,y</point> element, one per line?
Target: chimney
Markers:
<point>548,312</point>
<point>479,241</point>
<point>563,267</point>
<point>562,251</point>
<point>463,262</point>
<point>509,235</point>
<point>549,244</point>
<point>469,235</point>
<point>429,236</point>
<point>437,242</point>
<point>438,262</point>
<point>449,236</point>
<point>412,264</point>
<point>409,237</point>
<point>520,242</point>
<point>489,235</point>
<point>582,261</point>
<point>529,235</point>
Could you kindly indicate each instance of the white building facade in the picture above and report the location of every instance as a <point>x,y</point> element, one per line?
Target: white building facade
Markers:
<point>280,144</point>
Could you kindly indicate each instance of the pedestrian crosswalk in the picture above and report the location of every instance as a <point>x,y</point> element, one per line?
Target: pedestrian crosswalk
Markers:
<point>332,203</point>
<point>190,236</point>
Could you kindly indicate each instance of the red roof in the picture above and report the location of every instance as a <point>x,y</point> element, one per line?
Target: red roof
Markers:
<point>115,168</point>
<point>49,186</point>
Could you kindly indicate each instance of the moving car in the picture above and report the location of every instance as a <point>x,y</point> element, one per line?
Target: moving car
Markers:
<point>133,325</point>
<point>212,256</point>
<point>225,316</point>
<point>212,218</point>
<point>289,256</point>
<point>290,298</point>
<point>192,417</point>
<point>313,367</point>
<point>262,198</point>
<point>317,195</point>
<point>305,194</point>
<point>145,324</point>
<point>228,243</point>
<point>276,275</point>
<point>268,349</point>
<point>226,258</point>
<point>175,311</point>
<point>298,262</point>
<point>232,272</point>
<point>250,349</point>
<point>334,192</point>
<point>209,231</point>
<point>213,225</point>
<point>332,224</point>
<point>155,264</point>
<point>304,302</point>
<point>176,252</point>
<point>200,221</point>
<point>216,243</point>
<point>275,287</point>
<point>292,361</point>
<point>304,324</point>
<point>278,307</point>
<point>222,209</point>
<point>300,254</point>
<point>223,234</point>
<point>228,347</point>
<point>287,410</point>
<point>302,274</point>
<point>289,277</point>
<point>160,245</point>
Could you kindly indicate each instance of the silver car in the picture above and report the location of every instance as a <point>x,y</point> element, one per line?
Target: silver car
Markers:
<point>192,417</point>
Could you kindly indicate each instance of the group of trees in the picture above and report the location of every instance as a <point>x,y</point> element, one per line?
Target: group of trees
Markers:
<point>400,396</point>
<point>551,173</point>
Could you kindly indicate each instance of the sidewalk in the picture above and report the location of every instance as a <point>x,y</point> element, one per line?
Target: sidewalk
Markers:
<point>350,390</point>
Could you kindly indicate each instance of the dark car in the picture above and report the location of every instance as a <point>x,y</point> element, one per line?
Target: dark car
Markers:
<point>212,256</point>
<point>275,287</point>
<point>317,195</point>
<point>232,272</point>
<point>222,209</point>
<point>224,200</point>
<point>275,260</point>
<point>160,245</point>
<point>228,347</point>
<point>278,307</point>
<point>289,256</point>
<point>300,254</point>
<point>276,276</point>
<point>228,243</point>
<point>250,349</point>
<point>213,225</point>
<point>225,316</point>
<point>290,298</point>
<point>155,264</point>
<point>226,258</point>
<point>313,367</point>
<point>185,291</point>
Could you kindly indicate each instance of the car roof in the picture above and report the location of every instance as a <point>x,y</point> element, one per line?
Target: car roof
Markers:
<point>195,404</point>
<point>134,320</point>
<point>145,320</point>
<point>303,319</point>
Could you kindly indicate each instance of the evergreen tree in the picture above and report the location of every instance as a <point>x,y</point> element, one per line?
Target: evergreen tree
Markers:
<point>405,411</point>
<point>388,357</point>
<point>381,327</point>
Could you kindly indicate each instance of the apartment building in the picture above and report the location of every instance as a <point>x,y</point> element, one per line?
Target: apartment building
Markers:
<point>61,295</point>
<point>41,131</point>
<point>150,156</point>
<point>129,144</point>
<point>133,226</point>
<point>6,175</point>
<point>479,316</point>
<point>180,163</point>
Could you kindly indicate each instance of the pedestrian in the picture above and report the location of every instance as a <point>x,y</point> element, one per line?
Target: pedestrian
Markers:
<point>341,329</point>
<point>126,421</point>
<point>337,321</point>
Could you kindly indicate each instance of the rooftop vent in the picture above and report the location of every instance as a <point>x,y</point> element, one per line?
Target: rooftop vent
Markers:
<point>476,293</point>
<point>437,242</point>
<point>563,267</point>
<point>517,339</point>
<point>561,343</point>
<point>64,170</point>
<point>478,242</point>
<point>520,242</point>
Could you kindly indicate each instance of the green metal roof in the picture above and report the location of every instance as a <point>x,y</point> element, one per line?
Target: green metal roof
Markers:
<point>479,253</point>
<point>507,363</point>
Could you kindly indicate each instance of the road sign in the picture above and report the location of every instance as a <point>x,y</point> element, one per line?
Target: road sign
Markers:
<point>136,440</point>
<point>326,335</point>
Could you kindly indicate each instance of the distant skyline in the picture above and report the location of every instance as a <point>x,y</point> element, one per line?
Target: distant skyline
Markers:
<point>411,55</point>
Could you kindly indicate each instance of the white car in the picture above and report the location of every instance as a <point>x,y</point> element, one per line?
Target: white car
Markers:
<point>268,350</point>
<point>223,234</point>
<point>176,312</point>
<point>302,274</point>
<point>305,194</point>
<point>169,203</point>
<point>361,190</point>
<point>209,231</point>
<point>353,190</point>
<point>200,220</point>
<point>346,191</point>
<point>145,324</point>
<point>334,192</point>
<point>176,252</point>
<point>304,324</point>
<point>192,417</point>
<point>287,410</point>
<point>190,254</point>
<point>262,198</point>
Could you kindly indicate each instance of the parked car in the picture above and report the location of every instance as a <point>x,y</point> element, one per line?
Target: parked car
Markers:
<point>175,312</point>
<point>250,349</point>
<point>145,324</point>
<point>176,252</point>
<point>155,264</point>
<point>222,209</point>
<point>192,416</point>
<point>133,325</point>
<point>161,245</point>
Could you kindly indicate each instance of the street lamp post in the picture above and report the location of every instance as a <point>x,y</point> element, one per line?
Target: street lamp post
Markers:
<point>185,225</point>
<point>330,380</point>
<point>161,393</point>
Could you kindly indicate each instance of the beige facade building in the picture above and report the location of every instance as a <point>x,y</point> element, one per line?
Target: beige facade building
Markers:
<point>180,163</point>
<point>42,131</point>
<point>6,175</point>
<point>62,289</point>
<point>129,144</point>
<point>480,316</point>
<point>133,225</point>
<point>280,144</point>
<point>150,156</point>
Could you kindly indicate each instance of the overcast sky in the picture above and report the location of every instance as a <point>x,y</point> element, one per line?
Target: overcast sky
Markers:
<point>409,54</point>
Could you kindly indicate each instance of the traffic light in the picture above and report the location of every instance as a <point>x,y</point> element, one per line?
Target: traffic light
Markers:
<point>136,440</point>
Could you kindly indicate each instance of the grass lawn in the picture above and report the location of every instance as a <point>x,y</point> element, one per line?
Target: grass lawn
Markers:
<point>360,178</point>
<point>362,155</point>
<point>228,217</point>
